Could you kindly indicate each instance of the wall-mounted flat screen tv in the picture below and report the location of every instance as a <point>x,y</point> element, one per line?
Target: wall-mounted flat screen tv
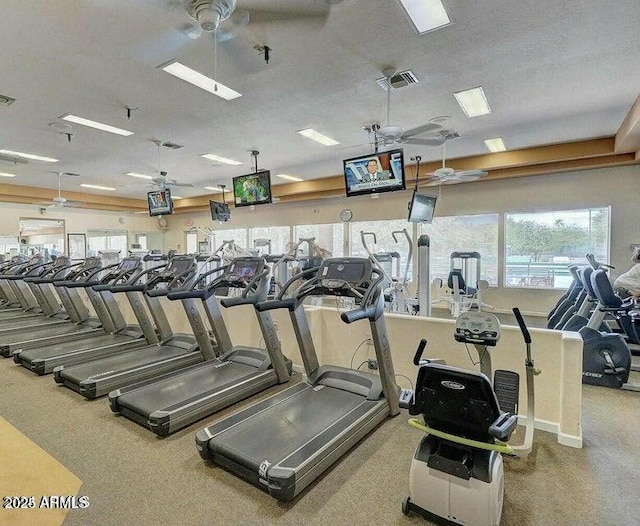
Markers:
<point>374,173</point>
<point>219,211</point>
<point>160,203</point>
<point>252,189</point>
<point>422,208</point>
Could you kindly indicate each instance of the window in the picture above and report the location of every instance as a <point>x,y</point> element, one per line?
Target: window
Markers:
<point>238,235</point>
<point>473,233</point>
<point>9,246</point>
<point>141,239</point>
<point>328,236</point>
<point>384,242</point>
<point>98,240</point>
<point>540,245</point>
<point>278,235</point>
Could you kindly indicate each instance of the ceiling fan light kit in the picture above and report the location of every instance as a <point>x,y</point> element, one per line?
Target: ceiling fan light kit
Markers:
<point>210,13</point>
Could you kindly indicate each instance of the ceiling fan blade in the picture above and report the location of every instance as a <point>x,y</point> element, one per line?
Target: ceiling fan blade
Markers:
<point>471,173</point>
<point>317,13</point>
<point>186,185</point>
<point>430,126</point>
<point>435,141</point>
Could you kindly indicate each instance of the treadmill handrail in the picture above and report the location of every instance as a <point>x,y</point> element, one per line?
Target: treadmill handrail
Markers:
<point>130,285</point>
<point>243,299</point>
<point>369,304</point>
<point>57,273</point>
<point>87,281</point>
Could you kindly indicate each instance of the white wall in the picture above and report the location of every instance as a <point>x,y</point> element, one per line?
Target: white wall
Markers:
<point>615,187</point>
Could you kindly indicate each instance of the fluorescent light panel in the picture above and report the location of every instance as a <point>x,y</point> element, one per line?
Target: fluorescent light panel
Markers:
<point>473,102</point>
<point>213,189</point>
<point>176,197</point>
<point>96,187</point>
<point>2,174</point>
<point>495,145</point>
<point>312,134</point>
<point>426,15</point>
<point>289,177</point>
<point>30,156</point>
<point>219,159</point>
<point>139,176</point>
<point>198,79</point>
<point>97,125</point>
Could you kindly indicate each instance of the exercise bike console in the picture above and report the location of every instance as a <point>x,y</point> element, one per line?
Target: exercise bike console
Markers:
<point>480,328</point>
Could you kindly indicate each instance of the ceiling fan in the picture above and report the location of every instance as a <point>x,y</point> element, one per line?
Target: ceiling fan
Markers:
<point>448,175</point>
<point>393,134</point>
<point>161,181</point>
<point>59,201</point>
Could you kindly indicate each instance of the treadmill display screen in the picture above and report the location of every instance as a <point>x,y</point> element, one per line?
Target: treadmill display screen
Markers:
<point>129,263</point>
<point>351,273</point>
<point>245,270</point>
<point>178,266</point>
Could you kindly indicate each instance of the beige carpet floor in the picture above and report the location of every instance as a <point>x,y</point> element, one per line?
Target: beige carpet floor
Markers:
<point>131,477</point>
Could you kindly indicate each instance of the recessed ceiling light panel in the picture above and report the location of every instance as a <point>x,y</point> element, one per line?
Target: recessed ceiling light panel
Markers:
<point>29,156</point>
<point>139,176</point>
<point>219,159</point>
<point>495,145</point>
<point>473,102</point>
<point>314,135</point>
<point>96,125</point>
<point>97,187</point>
<point>289,177</point>
<point>199,80</point>
<point>426,15</point>
<point>3,174</point>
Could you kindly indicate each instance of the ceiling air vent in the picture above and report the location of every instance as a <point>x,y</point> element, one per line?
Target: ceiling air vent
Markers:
<point>6,100</point>
<point>448,135</point>
<point>399,80</point>
<point>172,145</point>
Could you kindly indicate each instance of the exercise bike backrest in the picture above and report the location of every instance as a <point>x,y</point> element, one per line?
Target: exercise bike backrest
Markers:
<point>459,402</point>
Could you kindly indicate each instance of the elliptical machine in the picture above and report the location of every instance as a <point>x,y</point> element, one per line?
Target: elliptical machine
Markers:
<point>457,470</point>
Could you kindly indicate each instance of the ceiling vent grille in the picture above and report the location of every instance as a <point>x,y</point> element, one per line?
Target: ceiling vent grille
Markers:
<point>399,80</point>
<point>448,135</point>
<point>6,100</point>
<point>172,145</point>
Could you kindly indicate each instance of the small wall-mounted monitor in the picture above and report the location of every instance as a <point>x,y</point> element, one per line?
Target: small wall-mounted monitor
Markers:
<point>422,208</point>
<point>160,203</point>
<point>219,211</point>
<point>252,189</point>
<point>374,173</point>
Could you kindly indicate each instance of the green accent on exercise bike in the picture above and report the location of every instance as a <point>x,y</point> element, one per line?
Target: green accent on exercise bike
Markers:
<point>500,447</point>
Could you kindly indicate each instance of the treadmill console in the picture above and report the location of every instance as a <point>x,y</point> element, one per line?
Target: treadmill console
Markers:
<point>242,270</point>
<point>481,328</point>
<point>338,276</point>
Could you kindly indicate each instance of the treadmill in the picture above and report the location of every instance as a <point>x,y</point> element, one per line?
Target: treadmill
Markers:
<point>175,351</point>
<point>26,292</point>
<point>181,398</point>
<point>8,299</point>
<point>120,337</point>
<point>78,324</point>
<point>26,305</point>
<point>284,442</point>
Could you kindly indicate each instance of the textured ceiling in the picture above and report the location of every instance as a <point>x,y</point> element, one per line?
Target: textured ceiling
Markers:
<point>553,71</point>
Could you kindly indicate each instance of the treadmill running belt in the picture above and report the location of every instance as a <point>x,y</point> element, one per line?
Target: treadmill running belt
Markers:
<point>286,427</point>
<point>179,390</point>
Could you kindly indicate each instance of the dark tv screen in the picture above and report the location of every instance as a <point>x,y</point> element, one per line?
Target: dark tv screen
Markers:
<point>219,211</point>
<point>160,203</point>
<point>374,173</point>
<point>422,208</point>
<point>252,189</point>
